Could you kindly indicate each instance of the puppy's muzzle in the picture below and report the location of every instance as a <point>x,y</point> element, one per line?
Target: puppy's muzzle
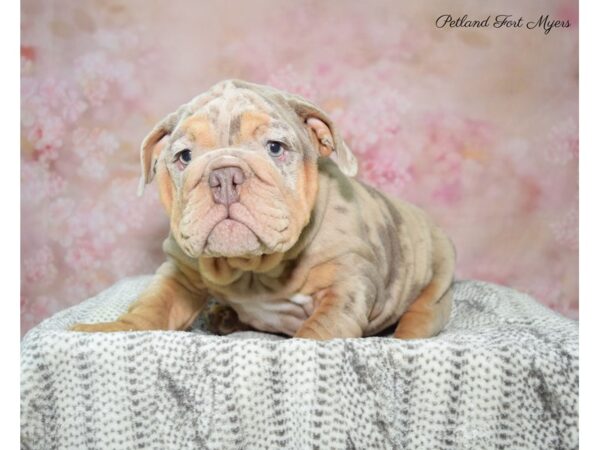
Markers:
<point>225,183</point>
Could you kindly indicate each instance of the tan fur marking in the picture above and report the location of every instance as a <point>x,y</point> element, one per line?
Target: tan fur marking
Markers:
<point>165,186</point>
<point>251,123</point>
<point>426,315</point>
<point>324,137</point>
<point>200,130</point>
<point>319,278</point>
<point>309,184</point>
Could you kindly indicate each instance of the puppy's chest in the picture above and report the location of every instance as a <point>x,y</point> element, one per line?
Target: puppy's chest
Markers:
<point>277,305</point>
<point>273,314</point>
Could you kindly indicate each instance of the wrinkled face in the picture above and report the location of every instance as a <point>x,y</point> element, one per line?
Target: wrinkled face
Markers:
<point>238,177</point>
<point>237,169</point>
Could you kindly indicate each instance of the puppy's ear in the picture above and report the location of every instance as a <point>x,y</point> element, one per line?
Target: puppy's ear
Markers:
<point>150,151</point>
<point>329,138</point>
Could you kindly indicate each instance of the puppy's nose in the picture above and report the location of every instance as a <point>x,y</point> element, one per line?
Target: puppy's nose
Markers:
<point>225,184</point>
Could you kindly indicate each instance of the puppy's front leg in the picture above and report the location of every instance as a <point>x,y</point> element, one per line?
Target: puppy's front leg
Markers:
<point>171,302</point>
<point>341,312</point>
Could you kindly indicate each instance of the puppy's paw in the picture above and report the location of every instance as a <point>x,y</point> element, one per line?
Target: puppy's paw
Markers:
<point>312,331</point>
<point>223,320</point>
<point>103,327</point>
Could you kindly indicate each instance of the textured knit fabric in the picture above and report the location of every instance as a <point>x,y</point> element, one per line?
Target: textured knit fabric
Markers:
<point>503,374</point>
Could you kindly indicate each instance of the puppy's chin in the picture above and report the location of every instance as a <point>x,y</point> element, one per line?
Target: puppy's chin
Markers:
<point>230,238</point>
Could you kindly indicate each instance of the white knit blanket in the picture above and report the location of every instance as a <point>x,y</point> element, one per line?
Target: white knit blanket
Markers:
<point>503,374</point>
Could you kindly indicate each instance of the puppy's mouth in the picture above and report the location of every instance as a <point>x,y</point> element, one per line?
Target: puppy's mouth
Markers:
<point>232,238</point>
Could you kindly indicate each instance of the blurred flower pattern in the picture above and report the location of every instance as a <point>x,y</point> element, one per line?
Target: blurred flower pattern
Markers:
<point>477,126</point>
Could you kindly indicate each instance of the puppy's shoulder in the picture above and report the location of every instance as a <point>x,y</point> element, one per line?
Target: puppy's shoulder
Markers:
<point>174,253</point>
<point>357,198</point>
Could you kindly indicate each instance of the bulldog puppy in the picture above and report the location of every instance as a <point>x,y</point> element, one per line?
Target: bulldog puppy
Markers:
<point>265,222</point>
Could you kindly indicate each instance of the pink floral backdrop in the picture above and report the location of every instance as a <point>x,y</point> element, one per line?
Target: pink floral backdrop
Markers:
<point>478,126</point>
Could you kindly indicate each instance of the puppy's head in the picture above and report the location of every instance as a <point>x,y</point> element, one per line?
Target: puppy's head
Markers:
<point>237,168</point>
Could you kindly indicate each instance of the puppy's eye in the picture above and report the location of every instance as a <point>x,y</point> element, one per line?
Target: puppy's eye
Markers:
<point>184,157</point>
<point>275,148</point>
